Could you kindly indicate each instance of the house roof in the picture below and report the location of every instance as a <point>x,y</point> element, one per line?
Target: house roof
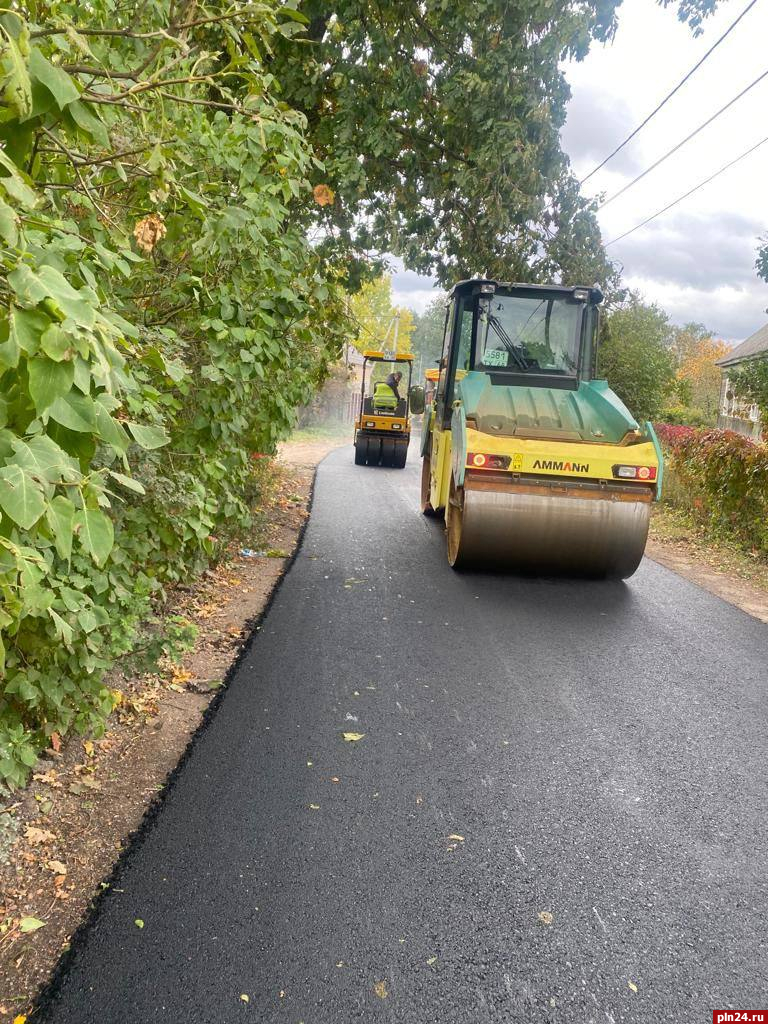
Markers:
<point>755,345</point>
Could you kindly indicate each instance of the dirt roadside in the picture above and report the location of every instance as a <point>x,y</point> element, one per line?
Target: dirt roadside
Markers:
<point>735,576</point>
<point>60,837</point>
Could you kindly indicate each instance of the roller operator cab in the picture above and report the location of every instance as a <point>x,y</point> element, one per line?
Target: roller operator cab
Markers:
<point>534,462</point>
<point>383,424</point>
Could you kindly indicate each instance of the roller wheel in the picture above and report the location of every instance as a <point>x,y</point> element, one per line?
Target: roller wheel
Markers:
<point>426,472</point>
<point>361,447</point>
<point>454,527</point>
<point>374,451</point>
<point>388,452</point>
<point>401,455</point>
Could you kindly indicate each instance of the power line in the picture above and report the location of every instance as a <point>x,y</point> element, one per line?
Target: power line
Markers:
<point>689,192</point>
<point>669,95</point>
<point>688,138</point>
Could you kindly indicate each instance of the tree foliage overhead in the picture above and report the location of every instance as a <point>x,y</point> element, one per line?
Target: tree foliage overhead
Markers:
<point>438,124</point>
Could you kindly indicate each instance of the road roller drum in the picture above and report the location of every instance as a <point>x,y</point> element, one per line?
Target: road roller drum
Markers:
<point>547,529</point>
<point>536,465</point>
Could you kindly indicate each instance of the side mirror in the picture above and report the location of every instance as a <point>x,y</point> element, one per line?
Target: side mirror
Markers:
<point>416,399</point>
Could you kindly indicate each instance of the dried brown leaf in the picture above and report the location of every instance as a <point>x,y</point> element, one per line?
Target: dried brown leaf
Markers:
<point>38,836</point>
<point>149,231</point>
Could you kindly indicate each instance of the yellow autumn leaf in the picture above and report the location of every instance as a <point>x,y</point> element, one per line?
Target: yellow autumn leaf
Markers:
<point>244,998</point>
<point>20,1019</point>
<point>456,839</point>
<point>632,985</point>
<point>353,737</point>
<point>324,196</point>
<point>149,231</point>
<point>88,748</point>
<point>314,807</point>
<point>545,917</point>
<point>380,988</point>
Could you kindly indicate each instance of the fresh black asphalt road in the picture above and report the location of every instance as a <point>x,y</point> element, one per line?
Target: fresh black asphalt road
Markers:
<point>600,748</point>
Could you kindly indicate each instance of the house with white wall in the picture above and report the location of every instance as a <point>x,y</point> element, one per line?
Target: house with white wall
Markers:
<point>734,413</point>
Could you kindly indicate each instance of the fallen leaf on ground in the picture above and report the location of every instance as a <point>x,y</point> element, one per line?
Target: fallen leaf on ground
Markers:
<point>37,836</point>
<point>432,960</point>
<point>21,1019</point>
<point>314,807</point>
<point>244,998</point>
<point>139,923</point>
<point>353,737</point>
<point>49,778</point>
<point>55,742</point>
<point>57,867</point>
<point>30,924</point>
<point>456,839</point>
<point>88,748</point>
<point>335,779</point>
<point>545,917</point>
<point>380,988</point>
<point>632,985</point>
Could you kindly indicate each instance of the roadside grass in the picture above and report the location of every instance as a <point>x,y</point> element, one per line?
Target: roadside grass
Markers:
<point>329,431</point>
<point>671,524</point>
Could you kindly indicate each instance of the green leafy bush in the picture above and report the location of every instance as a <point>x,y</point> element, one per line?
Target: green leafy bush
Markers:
<point>162,314</point>
<point>725,479</point>
<point>684,415</point>
<point>635,358</point>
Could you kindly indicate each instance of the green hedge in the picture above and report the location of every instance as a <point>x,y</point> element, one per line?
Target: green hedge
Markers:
<point>162,313</point>
<point>725,479</point>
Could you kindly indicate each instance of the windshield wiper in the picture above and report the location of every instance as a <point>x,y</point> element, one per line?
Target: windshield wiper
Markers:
<point>516,351</point>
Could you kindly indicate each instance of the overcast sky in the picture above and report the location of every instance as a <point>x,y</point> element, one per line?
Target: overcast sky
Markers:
<point>697,261</point>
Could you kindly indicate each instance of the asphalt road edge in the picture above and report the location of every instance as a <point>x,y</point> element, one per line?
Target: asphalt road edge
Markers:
<point>46,996</point>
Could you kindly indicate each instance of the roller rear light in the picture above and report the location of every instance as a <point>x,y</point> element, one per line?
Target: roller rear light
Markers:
<point>644,473</point>
<point>480,460</point>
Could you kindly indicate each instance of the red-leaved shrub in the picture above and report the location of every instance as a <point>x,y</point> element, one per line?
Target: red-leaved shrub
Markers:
<point>725,477</point>
<point>670,433</point>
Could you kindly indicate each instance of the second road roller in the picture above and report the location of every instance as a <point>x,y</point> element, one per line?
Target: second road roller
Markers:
<point>534,462</point>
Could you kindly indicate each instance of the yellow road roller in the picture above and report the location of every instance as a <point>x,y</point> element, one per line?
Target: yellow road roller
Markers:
<point>534,462</point>
<point>383,425</point>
